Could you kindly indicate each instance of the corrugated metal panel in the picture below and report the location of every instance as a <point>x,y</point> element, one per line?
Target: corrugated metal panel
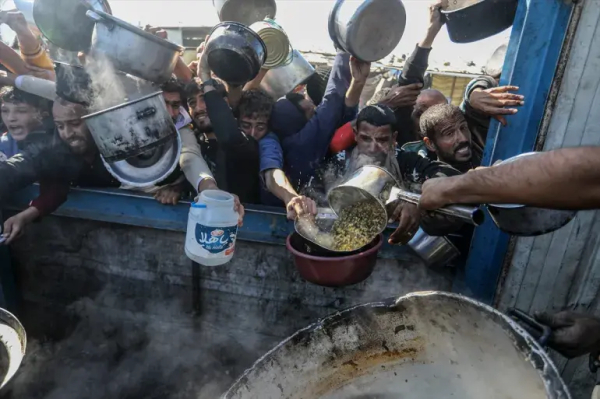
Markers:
<point>562,270</point>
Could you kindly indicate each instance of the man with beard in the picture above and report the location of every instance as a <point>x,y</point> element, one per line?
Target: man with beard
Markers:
<point>69,157</point>
<point>232,155</point>
<point>447,135</point>
<point>375,133</point>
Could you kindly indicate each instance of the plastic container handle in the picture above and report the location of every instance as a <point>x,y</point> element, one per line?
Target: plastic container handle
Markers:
<point>198,205</point>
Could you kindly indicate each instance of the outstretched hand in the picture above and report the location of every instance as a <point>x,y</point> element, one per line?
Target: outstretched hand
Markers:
<point>494,102</point>
<point>573,334</point>
<point>359,70</point>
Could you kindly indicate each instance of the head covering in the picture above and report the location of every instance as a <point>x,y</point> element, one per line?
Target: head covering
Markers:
<point>286,118</point>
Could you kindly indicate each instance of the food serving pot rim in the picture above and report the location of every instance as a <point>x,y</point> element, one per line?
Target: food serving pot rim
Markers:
<point>140,32</point>
<point>359,255</point>
<point>137,100</point>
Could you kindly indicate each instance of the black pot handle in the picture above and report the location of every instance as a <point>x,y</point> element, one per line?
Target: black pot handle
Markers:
<point>146,113</point>
<point>539,331</point>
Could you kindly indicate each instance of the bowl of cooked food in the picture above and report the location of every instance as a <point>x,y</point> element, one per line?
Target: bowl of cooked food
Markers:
<point>332,269</point>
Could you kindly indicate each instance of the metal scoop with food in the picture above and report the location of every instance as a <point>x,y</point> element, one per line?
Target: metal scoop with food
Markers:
<point>372,187</point>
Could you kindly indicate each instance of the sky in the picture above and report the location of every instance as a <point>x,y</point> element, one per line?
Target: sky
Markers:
<point>305,22</point>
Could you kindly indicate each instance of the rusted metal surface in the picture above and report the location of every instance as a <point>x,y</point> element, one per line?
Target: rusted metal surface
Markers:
<point>423,345</point>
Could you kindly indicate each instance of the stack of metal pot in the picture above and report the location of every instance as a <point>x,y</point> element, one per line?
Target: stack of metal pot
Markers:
<point>132,127</point>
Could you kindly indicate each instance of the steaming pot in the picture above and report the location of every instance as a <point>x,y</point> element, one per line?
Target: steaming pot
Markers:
<point>131,50</point>
<point>420,346</point>
<point>132,128</point>
<point>283,80</point>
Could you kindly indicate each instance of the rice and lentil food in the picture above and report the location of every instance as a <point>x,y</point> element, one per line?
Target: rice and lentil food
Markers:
<point>357,225</point>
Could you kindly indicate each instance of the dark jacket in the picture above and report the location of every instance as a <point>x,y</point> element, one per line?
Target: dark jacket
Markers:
<point>479,123</point>
<point>235,156</point>
<point>413,72</point>
<point>305,143</point>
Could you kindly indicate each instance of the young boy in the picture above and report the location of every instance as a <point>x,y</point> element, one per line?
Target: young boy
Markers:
<point>23,115</point>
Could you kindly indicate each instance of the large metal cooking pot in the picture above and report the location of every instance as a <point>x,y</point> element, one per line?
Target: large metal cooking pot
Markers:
<point>281,81</point>
<point>131,50</point>
<point>63,22</point>
<point>527,221</point>
<point>434,251</point>
<point>472,20</point>
<point>14,340</point>
<point>245,12</point>
<point>420,346</point>
<point>132,128</point>
<point>235,52</point>
<point>369,30</point>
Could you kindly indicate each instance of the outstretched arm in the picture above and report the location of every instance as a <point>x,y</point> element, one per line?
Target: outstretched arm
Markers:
<point>568,178</point>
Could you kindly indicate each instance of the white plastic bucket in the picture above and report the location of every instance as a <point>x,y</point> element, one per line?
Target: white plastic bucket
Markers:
<point>212,229</point>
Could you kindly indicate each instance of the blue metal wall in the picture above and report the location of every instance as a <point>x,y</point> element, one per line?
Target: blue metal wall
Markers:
<point>531,61</point>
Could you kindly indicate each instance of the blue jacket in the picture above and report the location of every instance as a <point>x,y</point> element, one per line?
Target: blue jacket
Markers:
<point>304,143</point>
<point>8,147</point>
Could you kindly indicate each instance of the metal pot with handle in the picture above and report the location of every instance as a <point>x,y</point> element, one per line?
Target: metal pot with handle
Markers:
<point>421,346</point>
<point>131,50</point>
<point>370,29</point>
<point>132,128</point>
<point>283,80</point>
<point>527,221</point>
<point>471,20</point>
<point>64,22</point>
<point>434,251</point>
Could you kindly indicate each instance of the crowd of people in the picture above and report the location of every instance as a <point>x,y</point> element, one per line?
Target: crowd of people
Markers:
<point>281,152</point>
<point>288,151</point>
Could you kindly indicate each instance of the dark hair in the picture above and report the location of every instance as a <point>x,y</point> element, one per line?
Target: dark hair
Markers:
<point>441,113</point>
<point>193,89</point>
<point>255,102</point>
<point>296,99</point>
<point>377,115</point>
<point>173,86</point>
<point>13,95</point>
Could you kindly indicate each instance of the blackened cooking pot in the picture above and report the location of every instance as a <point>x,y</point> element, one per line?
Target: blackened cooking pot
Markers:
<point>73,83</point>
<point>132,128</point>
<point>421,346</point>
<point>235,52</point>
<point>245,12</point>
<point>472,20</point>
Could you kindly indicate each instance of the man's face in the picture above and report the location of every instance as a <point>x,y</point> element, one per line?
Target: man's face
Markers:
<point>199,113</point>
<point>72,129</point>
<point>377,142</point>
<point>255,126</point>
<point>20,119</point>
<point>173,102</point>
<point>452,141</point>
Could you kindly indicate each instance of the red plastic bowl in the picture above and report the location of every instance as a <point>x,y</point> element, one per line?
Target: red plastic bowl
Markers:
<point>333,271</point>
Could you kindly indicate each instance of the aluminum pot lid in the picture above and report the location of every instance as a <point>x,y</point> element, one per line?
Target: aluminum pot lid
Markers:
<point>375,29</point>
<point>64,23</point>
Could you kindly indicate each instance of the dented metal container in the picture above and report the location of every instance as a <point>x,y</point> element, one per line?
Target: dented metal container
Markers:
<point>132,128</point>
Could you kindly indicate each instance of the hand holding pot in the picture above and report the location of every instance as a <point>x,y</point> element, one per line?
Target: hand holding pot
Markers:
<point>300,206</point>
<point>359,70</point>
<point>493,102</point>
<point>408,216</point>
<point>15,20</point>
<point>573,334</point>
<point>434,193</point>
<point>403,96</point>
